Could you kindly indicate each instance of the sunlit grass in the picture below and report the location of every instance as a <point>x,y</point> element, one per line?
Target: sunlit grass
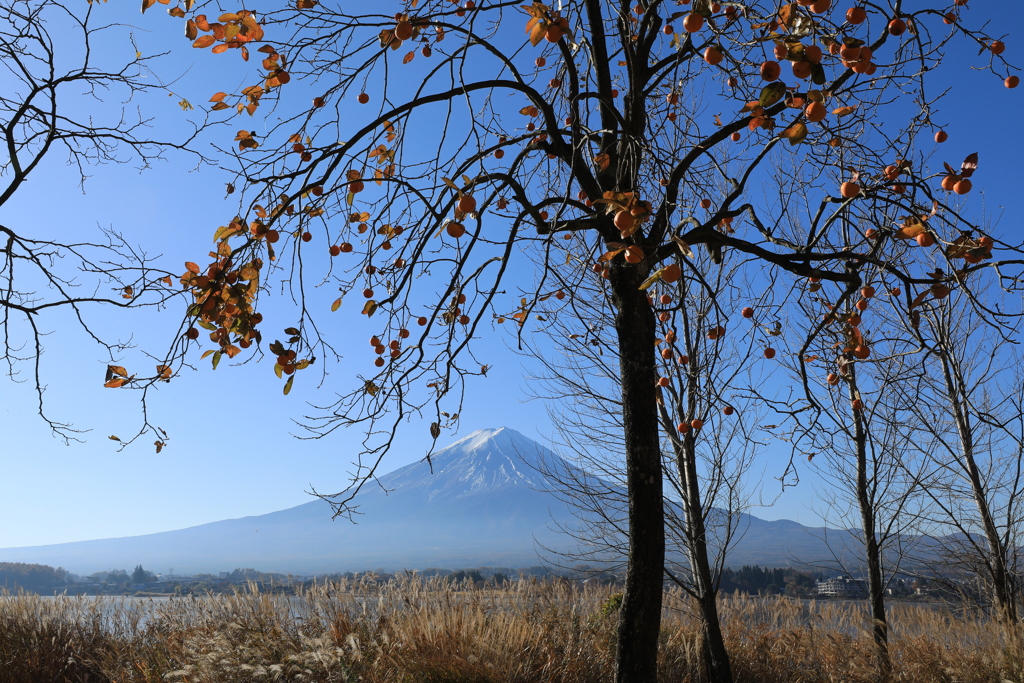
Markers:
<point>429,631</point>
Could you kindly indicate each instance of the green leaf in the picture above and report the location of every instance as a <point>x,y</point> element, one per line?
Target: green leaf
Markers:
<point>772,93</point>
<point>288,385</point>
<point>216,359</point>
<point>818,75</point>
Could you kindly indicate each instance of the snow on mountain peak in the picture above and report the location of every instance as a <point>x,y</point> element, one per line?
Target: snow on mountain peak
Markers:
<point>487,459</point>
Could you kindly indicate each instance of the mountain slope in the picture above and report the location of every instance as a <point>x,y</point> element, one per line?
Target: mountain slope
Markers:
<point>485,503</point>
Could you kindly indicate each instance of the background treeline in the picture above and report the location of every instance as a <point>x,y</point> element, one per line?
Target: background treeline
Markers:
<point>31,578</point>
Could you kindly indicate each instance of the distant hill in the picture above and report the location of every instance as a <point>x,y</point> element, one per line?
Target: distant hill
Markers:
<point>485,504</point>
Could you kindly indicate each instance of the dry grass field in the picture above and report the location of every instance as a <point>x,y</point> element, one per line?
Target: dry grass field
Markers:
<point>415,631</point>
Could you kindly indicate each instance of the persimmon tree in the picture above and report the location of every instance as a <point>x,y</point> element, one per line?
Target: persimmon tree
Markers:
<point>423,157</point>
<point>63,99</point>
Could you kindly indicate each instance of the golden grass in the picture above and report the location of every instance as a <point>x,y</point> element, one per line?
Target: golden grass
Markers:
<point>425,631</point>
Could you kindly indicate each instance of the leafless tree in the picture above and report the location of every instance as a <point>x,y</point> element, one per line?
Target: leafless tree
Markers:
<point>707,419</point>
<point>60,98</point>
<point>968,415</point>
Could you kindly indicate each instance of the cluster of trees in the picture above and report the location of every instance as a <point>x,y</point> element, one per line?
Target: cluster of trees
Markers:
<point>767,581</point>
<point>707,195</point>
<point>31,578</point>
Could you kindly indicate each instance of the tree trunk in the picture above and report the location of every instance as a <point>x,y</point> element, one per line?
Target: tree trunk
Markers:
<point>636,658</point>
<point>1003,593</point>
<point>713,652</point>
<point>865,503</point>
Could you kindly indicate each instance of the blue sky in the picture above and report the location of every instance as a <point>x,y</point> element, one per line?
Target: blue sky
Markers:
<point>51,492</point>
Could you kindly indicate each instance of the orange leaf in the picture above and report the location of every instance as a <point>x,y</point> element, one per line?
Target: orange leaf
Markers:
<point>408,58</point>
<point>204,41</point>
<point>192,267</point>
<point>218,97</point>
<point>219,48</point>
<point>115,383</point>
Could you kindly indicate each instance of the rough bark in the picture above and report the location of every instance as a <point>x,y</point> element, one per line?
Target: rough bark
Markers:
<point>636,659</point>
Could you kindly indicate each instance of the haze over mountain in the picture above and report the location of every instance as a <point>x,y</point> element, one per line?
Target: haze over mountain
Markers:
<point>485,504</point>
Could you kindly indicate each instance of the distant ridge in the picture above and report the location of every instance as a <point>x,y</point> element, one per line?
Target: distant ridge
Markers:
<point>485,504</point>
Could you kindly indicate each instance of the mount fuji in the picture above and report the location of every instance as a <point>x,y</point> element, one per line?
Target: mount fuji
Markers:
<point>486,503</point>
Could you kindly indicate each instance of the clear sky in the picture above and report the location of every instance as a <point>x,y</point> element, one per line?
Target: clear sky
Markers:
<point>232,451</point>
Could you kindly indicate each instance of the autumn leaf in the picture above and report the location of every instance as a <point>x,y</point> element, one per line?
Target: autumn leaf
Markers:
<point>795,133</point>
<point>288,385</point>
<point>204,41</point>
<point>843,111</point>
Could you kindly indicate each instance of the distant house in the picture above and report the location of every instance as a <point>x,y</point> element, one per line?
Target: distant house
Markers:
<point>842,587</point>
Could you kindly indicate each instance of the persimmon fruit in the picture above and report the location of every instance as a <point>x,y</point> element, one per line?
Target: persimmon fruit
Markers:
<point>467,203</point>
<point>693,22</point>
<point>815,112</point>
<point>770,70</point>
<point>747,312</point>
<point>713,56</point>
<point>769,353</point>
<point>849,189</point>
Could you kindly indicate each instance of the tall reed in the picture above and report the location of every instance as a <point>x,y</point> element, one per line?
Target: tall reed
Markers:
<point>430,631</point>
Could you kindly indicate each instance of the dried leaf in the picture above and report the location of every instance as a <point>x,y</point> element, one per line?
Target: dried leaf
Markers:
<point>795,133</point>
<point>288,385</point>
<point>969,166</point>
